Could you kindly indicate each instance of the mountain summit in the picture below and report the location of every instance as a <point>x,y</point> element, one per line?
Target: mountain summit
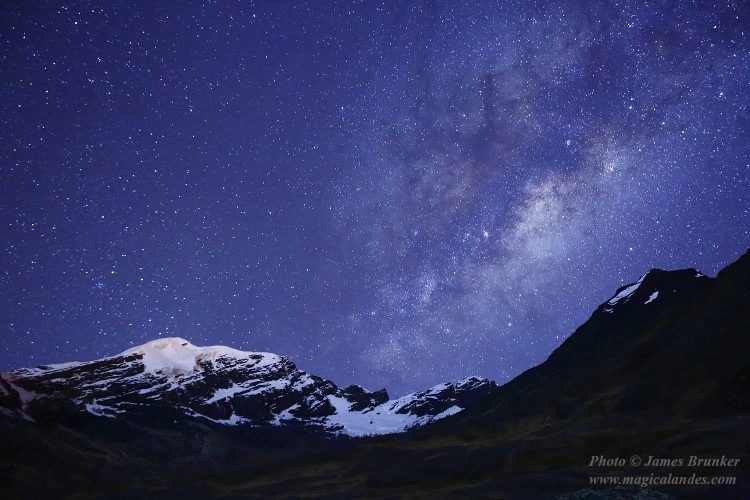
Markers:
<point>170,378</point>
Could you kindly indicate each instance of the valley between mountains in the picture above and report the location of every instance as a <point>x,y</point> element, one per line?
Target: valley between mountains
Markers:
<point>661,369</point>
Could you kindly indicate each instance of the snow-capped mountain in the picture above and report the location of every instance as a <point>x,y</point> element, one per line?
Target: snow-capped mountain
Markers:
<point>171,377</point>
<point>660,367</point>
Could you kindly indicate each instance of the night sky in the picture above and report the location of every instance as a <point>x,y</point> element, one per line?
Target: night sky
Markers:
<point>392,194</point>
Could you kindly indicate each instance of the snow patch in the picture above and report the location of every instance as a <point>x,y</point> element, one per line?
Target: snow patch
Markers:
<point>45,369</point>
<point>356,424</point>
<point>285,416</point>
<point>626,292</point>
<point>102,411</point>
<point>652,297</point>
<point>60,366</point>
<point>233,419</point>
<point>450,411</point>
<point>226,393</point>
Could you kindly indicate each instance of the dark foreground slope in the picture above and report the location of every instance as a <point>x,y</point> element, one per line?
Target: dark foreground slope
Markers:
<point>662,369</point>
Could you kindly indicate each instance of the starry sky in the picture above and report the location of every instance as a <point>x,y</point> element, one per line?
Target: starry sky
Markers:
<point>389,193</point>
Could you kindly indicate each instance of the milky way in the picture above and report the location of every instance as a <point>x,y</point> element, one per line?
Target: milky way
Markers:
<point>390,194</point>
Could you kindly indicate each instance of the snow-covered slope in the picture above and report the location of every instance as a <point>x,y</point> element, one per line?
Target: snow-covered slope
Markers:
<point>171,376</point>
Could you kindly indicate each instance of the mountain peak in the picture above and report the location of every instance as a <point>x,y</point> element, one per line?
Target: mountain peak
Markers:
<point>652,285</point>
<point>178,356</point>
<point>165,341</point>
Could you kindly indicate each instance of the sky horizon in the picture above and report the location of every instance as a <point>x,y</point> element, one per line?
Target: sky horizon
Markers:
<point>390,194</point>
